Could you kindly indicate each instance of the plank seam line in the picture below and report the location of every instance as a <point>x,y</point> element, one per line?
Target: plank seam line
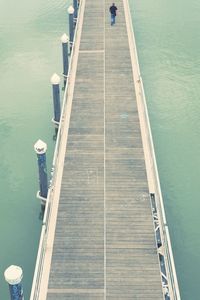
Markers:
<point>92,51</point>
<point>74,291</point>
<point>104,86</point>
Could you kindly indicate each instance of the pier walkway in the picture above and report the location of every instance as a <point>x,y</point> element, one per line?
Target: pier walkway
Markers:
<point>101,241</point>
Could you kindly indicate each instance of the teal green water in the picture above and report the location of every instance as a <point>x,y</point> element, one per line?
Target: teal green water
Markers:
<point>168,45</point>
<point>30,53</point>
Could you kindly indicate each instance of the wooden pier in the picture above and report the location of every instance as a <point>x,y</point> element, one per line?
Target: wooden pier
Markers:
<point>101,240</point>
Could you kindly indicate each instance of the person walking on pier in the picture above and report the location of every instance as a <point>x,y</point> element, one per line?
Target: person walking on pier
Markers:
<point>113,13</point>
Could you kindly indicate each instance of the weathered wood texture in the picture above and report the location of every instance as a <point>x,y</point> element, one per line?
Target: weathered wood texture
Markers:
<point>104,244</point>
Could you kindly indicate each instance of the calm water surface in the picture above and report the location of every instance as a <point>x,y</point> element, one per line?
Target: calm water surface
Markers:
<point>168,44</point>
<point>30,53</point>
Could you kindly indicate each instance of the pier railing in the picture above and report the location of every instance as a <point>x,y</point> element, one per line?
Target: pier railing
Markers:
<point>169,277</point>
<point>167,266</point>
<point>36,284</point>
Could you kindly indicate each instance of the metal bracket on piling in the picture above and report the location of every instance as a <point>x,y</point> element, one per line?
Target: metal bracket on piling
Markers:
<point>51,180</point>
<point>65,76</point>
<point>55,122</point>
<point>40,197</point>
<point>71,44</point>
<point>74,22</point>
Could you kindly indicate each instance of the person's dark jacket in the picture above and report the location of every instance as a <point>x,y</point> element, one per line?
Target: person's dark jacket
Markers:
<point>113,10</point>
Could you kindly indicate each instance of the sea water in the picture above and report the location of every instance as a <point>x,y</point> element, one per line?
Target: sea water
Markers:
<point>30,52</point>
<point>168,47</point>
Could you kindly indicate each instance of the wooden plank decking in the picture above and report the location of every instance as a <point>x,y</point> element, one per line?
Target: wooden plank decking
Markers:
<point>104,245</point>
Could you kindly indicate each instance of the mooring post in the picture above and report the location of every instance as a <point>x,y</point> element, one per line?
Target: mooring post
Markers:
<point>75,5</point>
<point>40,149</point>
<point>71,26</point>
<point>55,81</point>
<point>13,276</point>
<point>65,40</point>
